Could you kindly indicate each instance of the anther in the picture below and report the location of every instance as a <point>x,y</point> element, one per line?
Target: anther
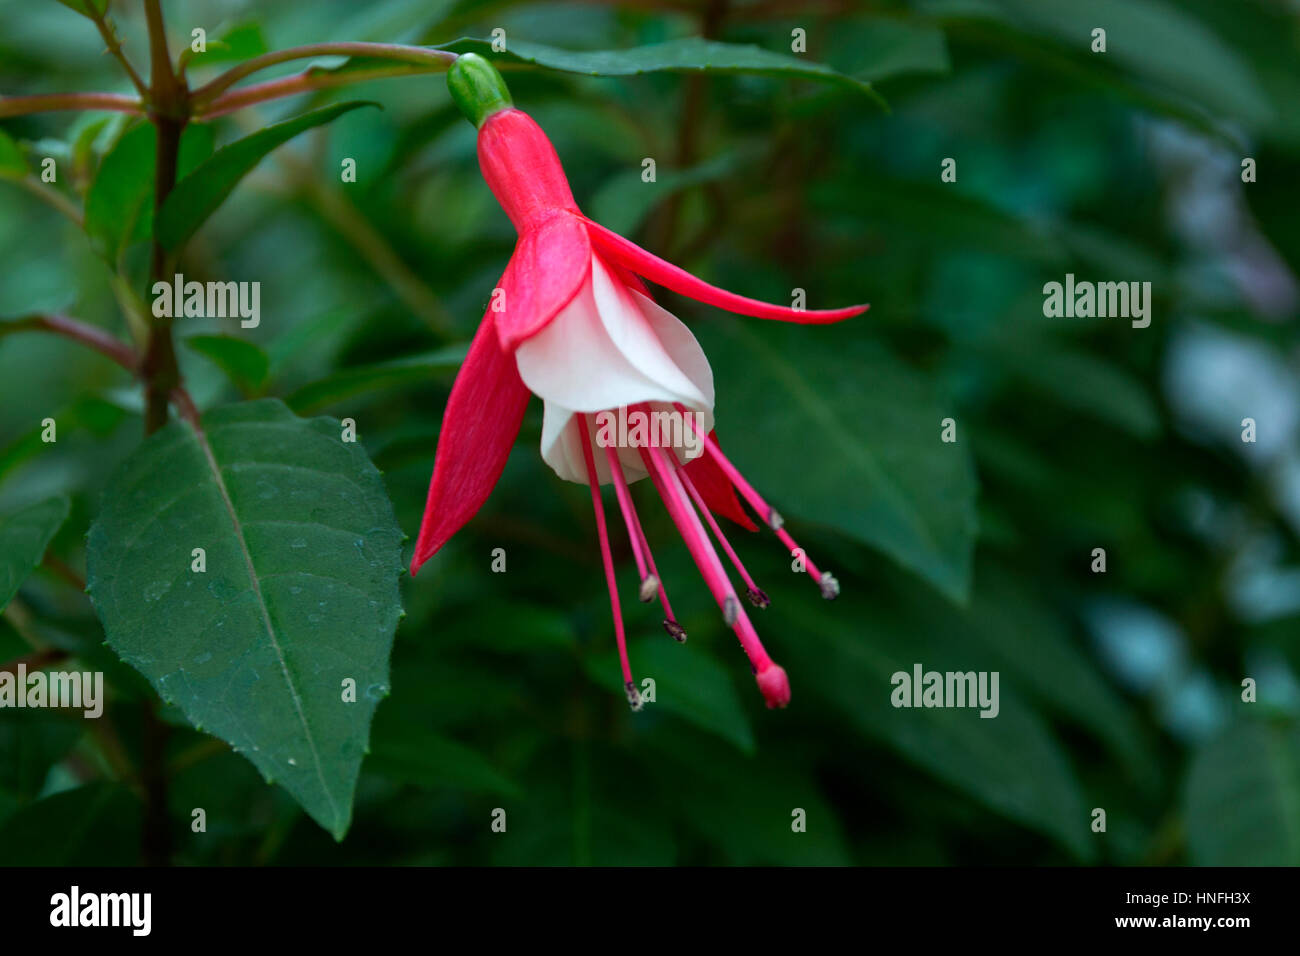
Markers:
<point>758,597</point>
<point>675,630</point>
<point>730,610</point>
<point>830,586</point>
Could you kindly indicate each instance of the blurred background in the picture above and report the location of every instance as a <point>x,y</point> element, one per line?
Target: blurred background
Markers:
<point>1120,690</point>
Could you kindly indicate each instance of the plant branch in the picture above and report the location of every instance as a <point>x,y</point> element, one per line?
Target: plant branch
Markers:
<point>167,94</point>
<point>88,335</point>
<point>47,194</point>
<point>435,59</point>
<point>159,368</point>
<point>169,113</point>
<point>109,33</point>
<point>49,102</point>
<point>305,82</point>
<point>60,568</point>
<point>688,132</point>
<point>170,100</point>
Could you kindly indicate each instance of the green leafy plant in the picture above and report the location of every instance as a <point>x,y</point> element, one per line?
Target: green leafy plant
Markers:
<point>211,514</point>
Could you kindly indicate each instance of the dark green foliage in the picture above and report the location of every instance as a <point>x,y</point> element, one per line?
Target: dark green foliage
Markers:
<point>1162,691</point>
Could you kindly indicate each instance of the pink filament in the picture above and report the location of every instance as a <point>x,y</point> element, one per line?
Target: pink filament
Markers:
<point>629,510</point>
<point>599,508</point>
<point>789,542</point>
<point>703,509</point>
<point>706,559</point>
<point>640,545</point>
<point>766,511</point>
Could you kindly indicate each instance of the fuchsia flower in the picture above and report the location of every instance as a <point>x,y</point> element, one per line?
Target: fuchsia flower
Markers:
<point>572,323</point>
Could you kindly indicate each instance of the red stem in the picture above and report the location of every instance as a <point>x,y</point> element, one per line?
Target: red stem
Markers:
<point>304,82</point>
<point>379,51</point>
<point>47,102</point>
<point>87,335</point>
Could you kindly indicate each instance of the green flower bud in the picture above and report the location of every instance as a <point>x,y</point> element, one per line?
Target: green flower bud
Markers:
<point>477,88</point>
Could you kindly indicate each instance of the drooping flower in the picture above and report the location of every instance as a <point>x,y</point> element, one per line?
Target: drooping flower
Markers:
<point>572,322</point>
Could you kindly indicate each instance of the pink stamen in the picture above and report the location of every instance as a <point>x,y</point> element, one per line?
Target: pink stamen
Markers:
<point>771,678</point>
<point>649,582</point>
<point>645,561</point>
<point>692,532</point>
<point>830,587</point>
<point>829,584</point>
<point>633,697</point>
<point>756,595</point>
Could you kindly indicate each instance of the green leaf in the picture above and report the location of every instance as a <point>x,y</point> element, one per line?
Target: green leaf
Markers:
<point>931,216</point>
<point>1080,381</point>
<point>1014,631</point>
<point>95,825</point>
<point>1243,797</point>
<point>198,195</point>
<point>85,7</point>
<point>744,805</point>
<point>13,165</point>
<point>32,741</point>
<point>241,41</point>
<point>871,463</point>
<point>1154,41</point>
<point>24,536</point>
<point>244,363</point>
<point>624,201</point>
<point>688,683</point>
<point>587,804</point>
<point>1011,763</point>
<point>434,761</point>
<point>351,382</point>
<point>1027,641</point>
<point>878,49</point>
<point>687,55</point>
<point>85,136</point>
<point>299,593</point>
<point>119,205</point>
<point>517,626</point>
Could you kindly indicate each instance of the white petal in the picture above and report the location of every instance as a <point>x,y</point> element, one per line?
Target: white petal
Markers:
<point>681,344</point>
<point>609,348</point>
<point>562,444</point>
<point>602,351</point>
